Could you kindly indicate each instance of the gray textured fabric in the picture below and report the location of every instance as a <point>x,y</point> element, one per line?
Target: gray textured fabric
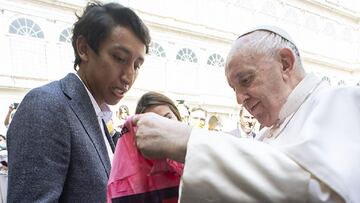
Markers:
<point>56,149</point>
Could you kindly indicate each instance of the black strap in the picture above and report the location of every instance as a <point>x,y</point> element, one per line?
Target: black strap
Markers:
<point>108,137</point>
<point>116,136</point>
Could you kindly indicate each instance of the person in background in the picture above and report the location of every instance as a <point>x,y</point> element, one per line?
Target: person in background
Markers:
<point>3,162</point>
<point>59,149</point>
<point>245,125</point>
<point>214,124</point>
<point>184,111</point>
<point>10,114</point>
<point>197,117</point>
<point>3,169</point>
<point>304,153</point>
<point>121,116</point>
<point>123,112</point>
<point>159,104</point>
<point>2,142</point>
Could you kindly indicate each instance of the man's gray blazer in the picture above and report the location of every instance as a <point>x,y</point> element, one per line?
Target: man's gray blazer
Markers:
<point>57,152</point>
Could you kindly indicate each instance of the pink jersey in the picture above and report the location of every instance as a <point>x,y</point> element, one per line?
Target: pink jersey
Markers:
<point>136,179</point>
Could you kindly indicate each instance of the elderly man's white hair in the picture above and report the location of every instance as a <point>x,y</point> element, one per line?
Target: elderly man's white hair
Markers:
<point>268,40</point>
<point>272,29</point>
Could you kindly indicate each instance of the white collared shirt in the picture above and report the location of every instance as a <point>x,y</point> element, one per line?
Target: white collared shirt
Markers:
<point>102,112</point>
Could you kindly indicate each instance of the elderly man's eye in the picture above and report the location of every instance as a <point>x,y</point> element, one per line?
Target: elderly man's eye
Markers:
<point>246,81</point>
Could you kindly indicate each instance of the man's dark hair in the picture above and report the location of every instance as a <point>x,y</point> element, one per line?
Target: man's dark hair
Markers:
<point>99,19</point>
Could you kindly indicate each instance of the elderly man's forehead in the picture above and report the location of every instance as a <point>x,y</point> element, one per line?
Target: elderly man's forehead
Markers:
<point>241,48</point>
<point>236,56</point>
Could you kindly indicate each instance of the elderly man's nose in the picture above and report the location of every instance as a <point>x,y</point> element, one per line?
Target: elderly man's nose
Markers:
<point>241,97</point>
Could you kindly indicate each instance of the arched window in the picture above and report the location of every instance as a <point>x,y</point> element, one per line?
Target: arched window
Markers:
<point>186,54</point>
<point>65,35</point>
<point>326,79</point>
<point>26,27</point>
<point>341,83</point>
<point>216,60</point>
<point>157,50</point>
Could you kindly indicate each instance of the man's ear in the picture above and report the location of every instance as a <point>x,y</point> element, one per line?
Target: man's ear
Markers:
<point>82,48</point>
<point>287,60</point>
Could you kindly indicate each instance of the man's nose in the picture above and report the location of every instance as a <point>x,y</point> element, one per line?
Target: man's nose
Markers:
<point>128,73</point>
<point>241,97</point>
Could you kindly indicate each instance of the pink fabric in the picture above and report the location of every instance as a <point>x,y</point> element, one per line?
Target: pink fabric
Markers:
<point>132,174</point>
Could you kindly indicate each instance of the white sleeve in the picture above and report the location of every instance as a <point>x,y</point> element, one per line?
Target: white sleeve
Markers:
<point>223,168</point>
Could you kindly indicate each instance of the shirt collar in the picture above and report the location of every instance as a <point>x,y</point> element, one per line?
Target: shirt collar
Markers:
<point>102,111</point>
<point>298,95</point>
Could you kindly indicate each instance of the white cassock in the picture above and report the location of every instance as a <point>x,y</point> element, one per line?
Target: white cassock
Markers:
<point>311,156</point>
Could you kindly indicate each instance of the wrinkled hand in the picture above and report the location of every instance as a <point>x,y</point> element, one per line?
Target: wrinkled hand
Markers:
<point>158,137</point>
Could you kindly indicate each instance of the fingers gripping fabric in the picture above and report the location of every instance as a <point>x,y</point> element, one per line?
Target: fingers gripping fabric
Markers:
<point>135,179</point>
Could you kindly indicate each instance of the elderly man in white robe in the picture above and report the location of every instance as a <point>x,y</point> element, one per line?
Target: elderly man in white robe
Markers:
<point>307,152</point>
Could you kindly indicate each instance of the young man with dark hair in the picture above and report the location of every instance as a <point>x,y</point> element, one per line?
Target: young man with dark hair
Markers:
<point>59,150</point>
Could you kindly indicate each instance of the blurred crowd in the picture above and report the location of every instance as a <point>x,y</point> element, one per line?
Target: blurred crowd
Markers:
<point>240,125</point>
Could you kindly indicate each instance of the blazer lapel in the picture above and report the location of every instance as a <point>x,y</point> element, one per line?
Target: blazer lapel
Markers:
<point>81,105</point>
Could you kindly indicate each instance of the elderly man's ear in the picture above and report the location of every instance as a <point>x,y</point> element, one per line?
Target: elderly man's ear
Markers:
<point>287,61</point>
